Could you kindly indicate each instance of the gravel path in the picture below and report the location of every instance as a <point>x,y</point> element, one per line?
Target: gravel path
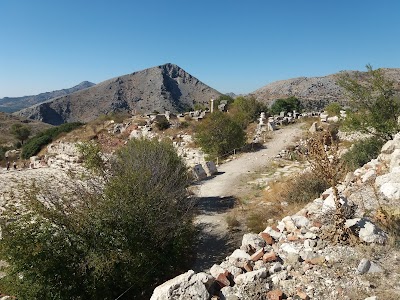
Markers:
<point>217,197</point>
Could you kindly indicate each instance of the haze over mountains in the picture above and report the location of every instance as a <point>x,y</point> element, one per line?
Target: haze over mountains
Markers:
<point>165,87</point>
<point>12,104</point>
<point>169,87</point>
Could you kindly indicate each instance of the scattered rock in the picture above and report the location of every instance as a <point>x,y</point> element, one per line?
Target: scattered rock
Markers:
<point>251,276</point>
<point>275,295</point>
<point>252,242</point>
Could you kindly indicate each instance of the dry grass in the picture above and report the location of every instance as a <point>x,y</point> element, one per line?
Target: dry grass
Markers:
<point>298,189</point>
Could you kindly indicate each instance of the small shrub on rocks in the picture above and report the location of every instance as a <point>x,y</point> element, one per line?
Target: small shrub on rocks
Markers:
<point>362,152</point>
<point>304,188</point>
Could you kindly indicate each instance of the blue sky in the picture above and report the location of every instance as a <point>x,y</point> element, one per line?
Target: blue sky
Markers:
<point>233,46</point>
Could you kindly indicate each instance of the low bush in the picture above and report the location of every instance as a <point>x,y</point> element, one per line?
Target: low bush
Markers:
<point>362,152</point>
<point>304,188</point>
<point>163,124</point>
<point>299,189</point>
<point>86,242</point>
<point>36,143</point>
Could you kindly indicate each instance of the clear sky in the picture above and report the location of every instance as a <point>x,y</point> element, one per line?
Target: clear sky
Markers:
<point>231,45</point>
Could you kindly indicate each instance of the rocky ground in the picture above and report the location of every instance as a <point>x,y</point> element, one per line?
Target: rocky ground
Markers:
<point>296,258</point>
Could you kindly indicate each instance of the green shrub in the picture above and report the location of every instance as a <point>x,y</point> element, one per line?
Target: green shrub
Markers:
<point>219,134</point>
<point>362,152</point>
<point>36,143</point>
<point>162,124</point>
<point>2,152</point>
<point>91,243</point>
<point>287,105</point>
<point>92,159</point>
<point>333,109</point>
<point>246,110</point>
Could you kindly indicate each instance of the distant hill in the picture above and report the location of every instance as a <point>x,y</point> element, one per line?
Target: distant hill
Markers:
<point>7,120</point>
<point>165,87</point>
<point>314,92</point>
<point>12,104</point>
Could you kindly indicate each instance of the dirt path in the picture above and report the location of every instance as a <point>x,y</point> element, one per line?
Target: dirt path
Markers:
<point>217,197</point>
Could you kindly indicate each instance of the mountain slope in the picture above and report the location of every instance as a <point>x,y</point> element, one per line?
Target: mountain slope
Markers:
<point>12,104</point>
<point>7,121</point>
<point>314,92</point>
<point>165,87</point>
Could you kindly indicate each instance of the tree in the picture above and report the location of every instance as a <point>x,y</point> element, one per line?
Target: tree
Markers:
<point>375,107</point>
<point>246,110</point>
<point>286,105</point>
<point>219,134</point>
<point>20,132</point>
<point>227,98</point>
<point>333,109</point>
<point>97,243</point>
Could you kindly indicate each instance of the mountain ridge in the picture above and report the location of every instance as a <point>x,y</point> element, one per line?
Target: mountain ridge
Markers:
<point>160,88</point>
<point>315,92</point>
<point>13,104</point>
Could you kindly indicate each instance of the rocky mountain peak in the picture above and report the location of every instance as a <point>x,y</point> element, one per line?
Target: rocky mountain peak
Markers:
<point>161,88</point>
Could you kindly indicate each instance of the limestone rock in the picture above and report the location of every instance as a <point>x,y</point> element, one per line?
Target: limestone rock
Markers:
<point>276,235</point>
<point>289,248</point>
<point>276,267</point>
<point>238,258</point>
<point>300,221</point>
<point>389,185</point>
<point>395,160</point>
<point>252,242</point>
<point>329,203</point>
<point>182,287</point>
<point>367,266</point>
<point>251,276</point>
<point>368,232</point>
<point>388,147</point>
<point>216,270</point>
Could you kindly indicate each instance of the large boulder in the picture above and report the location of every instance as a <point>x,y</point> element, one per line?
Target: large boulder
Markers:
<point>252,242</point>
<point>389,185</point>
<point>185,286</point>
<point>367,231</point>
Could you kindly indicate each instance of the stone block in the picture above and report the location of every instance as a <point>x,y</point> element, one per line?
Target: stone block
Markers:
<point>222,280</point>
<point>199,172</point>
<point>257,255</point>
<point>267,238</point>
<point>270,257</point>
<point>210,168</point>
<point>275,295</point>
